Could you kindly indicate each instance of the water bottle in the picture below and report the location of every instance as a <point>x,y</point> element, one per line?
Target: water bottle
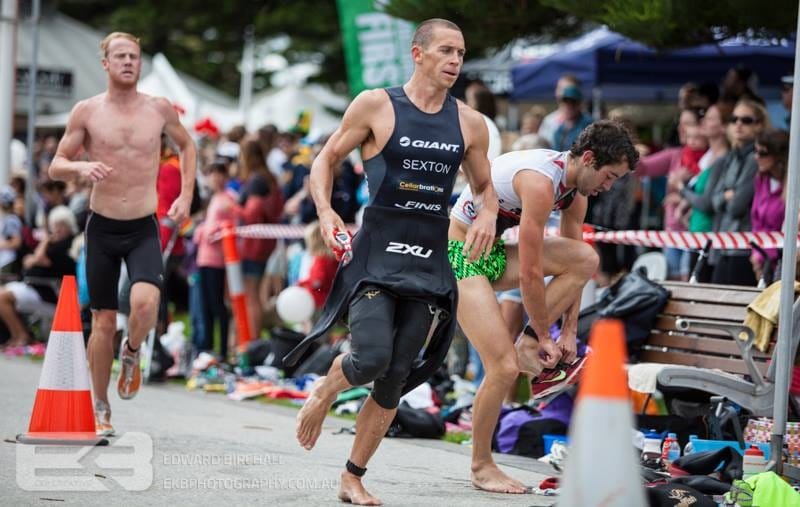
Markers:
<point>753,462</point>
<point>666,448</point>
<point>674,451</point>
<point>652,449</point>
<point>230,383</point>
<point>689,448</point>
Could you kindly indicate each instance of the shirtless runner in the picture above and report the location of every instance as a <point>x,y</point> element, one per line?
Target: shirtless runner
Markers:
<point>120,131</point>
<point>413,139</point>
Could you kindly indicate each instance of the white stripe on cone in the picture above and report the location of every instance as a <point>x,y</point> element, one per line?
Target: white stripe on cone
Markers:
<point>234,277</point>
<point>65,367</point>
<point>602,468</point>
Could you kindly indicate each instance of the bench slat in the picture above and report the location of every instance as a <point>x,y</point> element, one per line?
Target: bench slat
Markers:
<point>667,323</point>
<point>705,311</point>
<point>700,345</point>
<point>712,293</point>
<point>725,364</point>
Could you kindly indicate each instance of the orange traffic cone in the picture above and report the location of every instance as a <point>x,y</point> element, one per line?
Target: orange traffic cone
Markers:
<point>601,466</point>
<point>62,411</point>
<point>235,280</point>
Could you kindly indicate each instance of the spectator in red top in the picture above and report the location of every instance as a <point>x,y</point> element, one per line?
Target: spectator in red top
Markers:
<point>323,267</point>
<point>168,188</point>
<point>262,202</point>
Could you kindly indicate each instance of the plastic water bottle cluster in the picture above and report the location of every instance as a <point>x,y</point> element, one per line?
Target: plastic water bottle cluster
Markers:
<point>658,453</point>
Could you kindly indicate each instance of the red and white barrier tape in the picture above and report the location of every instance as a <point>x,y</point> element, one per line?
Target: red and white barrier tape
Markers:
<point>689,240</point>
<point>275,231</point>
<point>658,239</point>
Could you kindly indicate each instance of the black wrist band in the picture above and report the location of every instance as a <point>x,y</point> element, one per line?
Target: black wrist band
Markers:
<point>530,332</point>
<point>355,469</point>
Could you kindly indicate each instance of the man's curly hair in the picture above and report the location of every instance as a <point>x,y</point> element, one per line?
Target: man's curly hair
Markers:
<point>610,142</point>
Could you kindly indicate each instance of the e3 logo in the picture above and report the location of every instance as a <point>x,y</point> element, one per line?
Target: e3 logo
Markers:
<point>43,467</point>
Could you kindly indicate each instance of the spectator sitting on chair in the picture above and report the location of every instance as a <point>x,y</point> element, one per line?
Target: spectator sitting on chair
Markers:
<point>49,261</point>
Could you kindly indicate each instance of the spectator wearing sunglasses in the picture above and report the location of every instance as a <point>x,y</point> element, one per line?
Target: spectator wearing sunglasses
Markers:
<point>769,198</point>
<point>731,185</point>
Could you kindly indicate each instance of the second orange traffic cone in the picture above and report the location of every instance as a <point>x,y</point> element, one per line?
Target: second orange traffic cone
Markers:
<point>62,411</point>
<point>601,468</point>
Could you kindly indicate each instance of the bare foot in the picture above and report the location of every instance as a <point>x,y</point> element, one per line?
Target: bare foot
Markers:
<point>528,356</point>
<point>312,415</point>
<point>491,478</point>
<point>352,491</point>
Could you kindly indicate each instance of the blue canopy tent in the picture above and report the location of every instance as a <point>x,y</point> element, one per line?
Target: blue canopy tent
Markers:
<point>622,69</point>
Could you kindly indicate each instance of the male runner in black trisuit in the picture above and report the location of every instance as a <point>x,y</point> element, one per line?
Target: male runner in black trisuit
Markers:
<point>413,139</point>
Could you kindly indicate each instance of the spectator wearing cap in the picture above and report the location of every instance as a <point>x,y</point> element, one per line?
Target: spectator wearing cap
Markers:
<point>11,227</point>
<point>553,119</point>
<point>571,119</point>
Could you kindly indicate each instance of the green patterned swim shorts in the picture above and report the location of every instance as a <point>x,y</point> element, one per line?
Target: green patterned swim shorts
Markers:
<point>492,267</point>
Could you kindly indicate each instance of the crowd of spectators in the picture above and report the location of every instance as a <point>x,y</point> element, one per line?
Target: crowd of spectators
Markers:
<point>722,168</point>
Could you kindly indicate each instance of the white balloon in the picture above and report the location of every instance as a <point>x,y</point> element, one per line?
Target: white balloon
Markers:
<point>295,305</point>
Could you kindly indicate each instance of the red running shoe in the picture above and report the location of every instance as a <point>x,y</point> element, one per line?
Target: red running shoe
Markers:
<point>555,380</point>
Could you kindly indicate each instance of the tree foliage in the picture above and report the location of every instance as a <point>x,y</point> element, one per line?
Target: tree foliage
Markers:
<point>206,39</point>
<point>491,23</point>
<point>667,24</point>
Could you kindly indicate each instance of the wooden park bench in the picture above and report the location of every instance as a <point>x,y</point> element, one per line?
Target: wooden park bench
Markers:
<point>700,332</point>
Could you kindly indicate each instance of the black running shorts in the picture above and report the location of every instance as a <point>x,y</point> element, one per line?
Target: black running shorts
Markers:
<point>108,243</point>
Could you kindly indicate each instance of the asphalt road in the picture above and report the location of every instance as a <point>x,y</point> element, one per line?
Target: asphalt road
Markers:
<point>175,447</point>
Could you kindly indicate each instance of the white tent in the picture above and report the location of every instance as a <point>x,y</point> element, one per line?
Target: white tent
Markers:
<point>69,46</point>
<point>72,49</point>
<point>281,108</point>
<point>165,81</point>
